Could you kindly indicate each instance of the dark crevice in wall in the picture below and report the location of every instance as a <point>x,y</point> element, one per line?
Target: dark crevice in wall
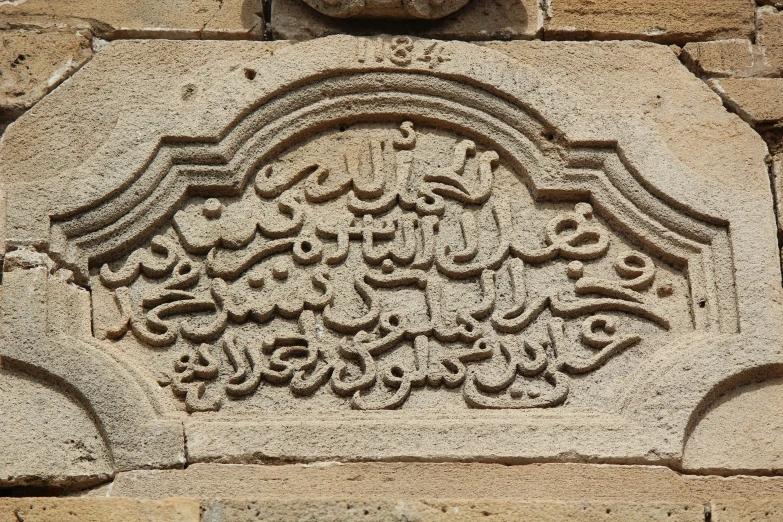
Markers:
<point>266,14</point>
<point>32,491</point>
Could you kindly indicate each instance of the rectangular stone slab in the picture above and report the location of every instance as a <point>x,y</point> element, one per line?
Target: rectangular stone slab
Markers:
<point>409,481</point>
<point>389,248</point>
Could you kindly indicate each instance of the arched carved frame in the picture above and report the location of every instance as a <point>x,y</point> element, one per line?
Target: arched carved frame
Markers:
<point>553,169</point>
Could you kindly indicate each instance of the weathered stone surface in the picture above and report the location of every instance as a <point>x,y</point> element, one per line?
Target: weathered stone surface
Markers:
<point>748,510</point>
<point>775,3</point>
<point>561,272</point>
<point>756,100</point>
<point>52,330</point>
<point>48,438</point>
<point>719,58</point>
<point>478,20</point>
<point>664,21</point>
<point>179,19</point>
<point>777,180</point>
<point>769,26</point>
<point>32,63</point>
<point>740,432</point>
<point>442,510</point>
<point>42,509</point>
<point>412,481</point>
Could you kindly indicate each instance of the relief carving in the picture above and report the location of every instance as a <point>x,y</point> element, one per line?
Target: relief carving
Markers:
<point>370,262</point>
<point>402,9</point>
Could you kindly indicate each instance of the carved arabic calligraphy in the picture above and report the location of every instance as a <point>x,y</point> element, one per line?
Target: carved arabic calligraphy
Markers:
<point>374,271</point>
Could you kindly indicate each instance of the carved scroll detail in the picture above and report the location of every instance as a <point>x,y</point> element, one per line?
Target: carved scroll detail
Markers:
<point>317,291</point>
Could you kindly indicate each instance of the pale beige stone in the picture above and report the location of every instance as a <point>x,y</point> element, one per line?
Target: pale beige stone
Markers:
<point>41,509</point>
<point>776,172</point>
<point>750,510</point>
<point>32,63</point>
<point>665,21</point>
<point>478,20</point>
<point>48,436</point>
<point>545,252</point>
<point>740,432</point>
<point>719,58</point>
<point>774,3</point>
<point>663,96</point>
<point>769,35</point>
<point>135,435</point>
<point>178,19</point>
<point>445,510</point>
<point>411,481</point>
<point>756,100</point>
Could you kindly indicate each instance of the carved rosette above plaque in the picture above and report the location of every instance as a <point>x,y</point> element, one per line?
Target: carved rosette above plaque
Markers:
<point>383,9</point>
<point>370,261</point>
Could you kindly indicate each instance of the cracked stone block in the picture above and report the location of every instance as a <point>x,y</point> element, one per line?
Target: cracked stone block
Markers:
<point>43,509</point>
<point>177,19</point>
<point>720,58</point>
<point>389,248</point>
<point>756,100</point>
<point>478,20</point>
<point>663,21</point>
<point>769,25</point>
<point>32,63</point>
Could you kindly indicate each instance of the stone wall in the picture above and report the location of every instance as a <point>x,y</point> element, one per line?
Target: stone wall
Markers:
<point>341,260</point>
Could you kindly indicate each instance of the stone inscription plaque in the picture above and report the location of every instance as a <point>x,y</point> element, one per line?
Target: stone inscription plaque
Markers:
<point>386,265</point>
<point>389,248</point>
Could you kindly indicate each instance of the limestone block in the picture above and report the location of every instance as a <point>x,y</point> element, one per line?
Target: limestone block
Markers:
<point>478,20</point>
<point>412,481</point>
<point>748,510</point>
<point>664,21</point>
<point>352,510</point>
<point>41,509</point>
<point>32,63</point>
<point>774,3</point>
<point>740,432</point>
<point>177,19</point>
<point>48,337</point>
<point>48,436</point>
<point>390,248</point>
<point>756,100</point>
<point>720,58</point>
<point>769,35</point>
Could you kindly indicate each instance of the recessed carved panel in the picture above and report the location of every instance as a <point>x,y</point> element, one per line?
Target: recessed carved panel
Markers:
<point>390,248</point>
<point>387,265</point>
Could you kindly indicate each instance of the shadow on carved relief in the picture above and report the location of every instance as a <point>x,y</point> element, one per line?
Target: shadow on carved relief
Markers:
<point>376,260</point>
<point>477,20</point>
<point>399,238</point>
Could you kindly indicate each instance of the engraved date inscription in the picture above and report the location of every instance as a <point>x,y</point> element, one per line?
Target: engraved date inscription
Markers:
<point>401,51</point>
